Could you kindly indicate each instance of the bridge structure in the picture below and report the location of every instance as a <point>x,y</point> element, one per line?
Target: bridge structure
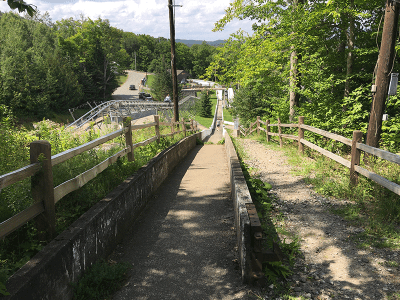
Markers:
<point>117,109</point>
<point>179,221</point>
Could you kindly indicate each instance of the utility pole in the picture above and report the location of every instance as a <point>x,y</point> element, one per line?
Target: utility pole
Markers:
<point>173,62</point>
<point>385,65</point>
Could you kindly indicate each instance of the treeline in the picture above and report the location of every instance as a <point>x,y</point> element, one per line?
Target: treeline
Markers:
<point>150,53</point>
<point>307,58</point>
<point>48,67</point>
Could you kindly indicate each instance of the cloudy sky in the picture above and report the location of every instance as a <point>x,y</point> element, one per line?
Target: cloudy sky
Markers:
<point>194,20</point>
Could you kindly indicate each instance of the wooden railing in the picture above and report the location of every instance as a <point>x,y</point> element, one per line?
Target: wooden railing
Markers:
<point>45,195</point>
<point>354,143</point>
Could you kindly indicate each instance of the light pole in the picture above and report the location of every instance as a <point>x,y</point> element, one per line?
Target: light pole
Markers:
<point>173,61</point>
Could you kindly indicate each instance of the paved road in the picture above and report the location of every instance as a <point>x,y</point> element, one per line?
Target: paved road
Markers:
<point>123,92</point>
<point>183,245</point>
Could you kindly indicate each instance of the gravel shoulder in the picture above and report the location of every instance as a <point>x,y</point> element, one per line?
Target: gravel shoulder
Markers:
<point>332,267</point>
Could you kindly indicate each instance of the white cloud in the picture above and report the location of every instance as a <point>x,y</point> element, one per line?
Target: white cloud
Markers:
<point>194,20</point>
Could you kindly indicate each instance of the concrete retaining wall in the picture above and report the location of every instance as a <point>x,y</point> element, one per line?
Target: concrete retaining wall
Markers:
<point>95,234</point>
<point>240,196</point>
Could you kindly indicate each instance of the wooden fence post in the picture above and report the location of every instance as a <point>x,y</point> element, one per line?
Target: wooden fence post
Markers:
<point>172,128</point>
<point>258,125</point>
<point>191,125</point>
<point>301,135</point>
<point>157,127</point>
<point>128,137</point>
<point>43,190</point>
<point>183,126</point>
<point>280,133</point>
<point>355,156</point>
<point>267,130</point>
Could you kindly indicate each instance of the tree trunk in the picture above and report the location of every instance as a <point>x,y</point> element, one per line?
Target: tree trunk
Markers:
<point>385,63</point>
<point>294,82</point>
<point>350,49</point>
<point>294,74</point>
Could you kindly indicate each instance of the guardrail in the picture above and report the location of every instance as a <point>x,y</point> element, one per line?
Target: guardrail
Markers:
<point>354,143</point>
<point>45,195</point>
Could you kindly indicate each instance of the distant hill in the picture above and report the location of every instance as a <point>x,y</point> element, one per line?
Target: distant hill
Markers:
<point>189,43</point>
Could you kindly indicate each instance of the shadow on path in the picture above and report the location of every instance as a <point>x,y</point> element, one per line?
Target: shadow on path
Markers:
<point>182,247</point>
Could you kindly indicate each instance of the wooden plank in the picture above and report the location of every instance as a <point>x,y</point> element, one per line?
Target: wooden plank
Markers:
<point>327,134</point>
<point>142,126</point>
<point>289,136</point>
<point>289,125</point>
<point>165,124</point>
<point>63,156</point>
<point>380,153</point>
<point>272,125</point>
<point>42,189</point>
<point>20,219</point>
<point>18,175</point>
<point>273,133</point>
<point>80,180</point>
<point>335,157</point>
<point>395,188</point>
<point>251,131</point>
<point>263,129</point>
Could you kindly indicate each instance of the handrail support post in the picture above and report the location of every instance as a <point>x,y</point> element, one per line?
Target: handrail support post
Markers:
<point>301,135</point>
<point>128,137</point>
<point>43,190</point>
<point>267,131</point>
<point>355,156</point>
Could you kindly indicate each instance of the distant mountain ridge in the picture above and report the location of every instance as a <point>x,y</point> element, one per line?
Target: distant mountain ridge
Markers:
<point>192,42</point>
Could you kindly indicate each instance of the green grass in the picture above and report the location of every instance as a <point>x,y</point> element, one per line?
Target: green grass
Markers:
<point>121,79</point>
<point>206,122</point>
<point>150,79</point>
<point>227,115</point>
<point>101,281</point>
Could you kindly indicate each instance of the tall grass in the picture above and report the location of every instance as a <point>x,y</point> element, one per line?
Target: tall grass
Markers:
<point>17,248</point>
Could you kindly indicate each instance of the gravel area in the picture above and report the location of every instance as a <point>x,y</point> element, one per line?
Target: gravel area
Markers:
<point>331,265</point>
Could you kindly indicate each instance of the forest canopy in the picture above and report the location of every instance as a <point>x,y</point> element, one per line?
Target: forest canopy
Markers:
<point>47,67</point>
<point>307,58</point>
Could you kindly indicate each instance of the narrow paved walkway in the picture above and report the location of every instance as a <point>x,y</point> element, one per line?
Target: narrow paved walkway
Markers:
<point>183,246</point>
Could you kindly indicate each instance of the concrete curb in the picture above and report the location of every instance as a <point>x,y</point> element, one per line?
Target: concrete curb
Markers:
<point>240,196</point>
<point>49,274</point>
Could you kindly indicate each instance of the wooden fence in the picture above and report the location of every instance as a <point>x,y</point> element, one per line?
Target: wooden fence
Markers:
<point>45,195</point>
<point>354,143</point>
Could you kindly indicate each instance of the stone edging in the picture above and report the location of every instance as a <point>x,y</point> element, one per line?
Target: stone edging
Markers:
<point>240,196</point>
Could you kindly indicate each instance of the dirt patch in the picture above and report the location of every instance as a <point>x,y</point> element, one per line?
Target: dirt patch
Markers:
<point>332,266</point>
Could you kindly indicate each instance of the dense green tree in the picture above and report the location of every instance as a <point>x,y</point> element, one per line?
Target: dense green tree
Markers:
<point>204,105</point>
<point>95,48</point>
<point>332,44</point>
<point>202,58</point>
<point>162,82</point>
<point>34,77</point>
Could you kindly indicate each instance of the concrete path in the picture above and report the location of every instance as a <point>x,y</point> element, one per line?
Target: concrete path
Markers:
<point>183,246</point>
